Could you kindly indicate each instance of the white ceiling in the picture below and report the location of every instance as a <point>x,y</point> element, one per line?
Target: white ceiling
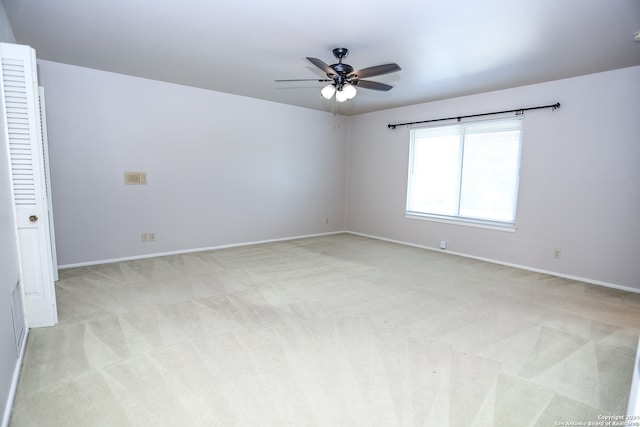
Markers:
<point>446,48</point>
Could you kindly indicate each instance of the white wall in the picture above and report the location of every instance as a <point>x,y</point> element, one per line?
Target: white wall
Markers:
<point>222,169</point>
<point>580,179</point>
<point>6,32</point>
<point>9,276</point>
<point>9,267</point>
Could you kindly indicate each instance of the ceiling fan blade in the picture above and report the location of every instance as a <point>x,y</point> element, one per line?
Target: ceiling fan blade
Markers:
<point>304,80</point>
<point>322,65</point>
<point>367,84</point>
<point>378,70</point>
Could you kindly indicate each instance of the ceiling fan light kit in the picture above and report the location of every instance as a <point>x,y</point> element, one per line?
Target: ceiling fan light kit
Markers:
<point>343,93</point>
<point>328,91</point>
<point>344,79</point>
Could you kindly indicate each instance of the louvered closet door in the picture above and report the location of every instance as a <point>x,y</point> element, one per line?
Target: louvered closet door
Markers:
<point>19,90</point>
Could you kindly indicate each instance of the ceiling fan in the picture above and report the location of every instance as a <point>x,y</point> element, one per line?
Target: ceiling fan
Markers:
<point>344,79</point>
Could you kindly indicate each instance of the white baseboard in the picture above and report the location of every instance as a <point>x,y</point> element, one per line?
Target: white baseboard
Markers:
<point>235,245</point>
<point>634,398</point>
<point>186,251</point>
<point>14,383</point>
<point>507,264</point>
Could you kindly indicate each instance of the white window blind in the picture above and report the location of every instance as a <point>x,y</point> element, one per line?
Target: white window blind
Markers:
<point>467,172</point>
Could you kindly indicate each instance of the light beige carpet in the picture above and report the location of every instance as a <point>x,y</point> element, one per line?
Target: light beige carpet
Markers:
<point>330,331</point>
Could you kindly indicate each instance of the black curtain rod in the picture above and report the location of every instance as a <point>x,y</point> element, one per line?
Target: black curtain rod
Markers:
<point>517,111</point>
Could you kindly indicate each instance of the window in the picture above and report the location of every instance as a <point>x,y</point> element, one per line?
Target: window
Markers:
<point>466,172</point>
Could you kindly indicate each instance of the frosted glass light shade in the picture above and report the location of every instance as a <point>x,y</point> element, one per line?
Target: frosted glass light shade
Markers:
<point>341,96</point>
<point>328,91</point>
<point>349,90</point>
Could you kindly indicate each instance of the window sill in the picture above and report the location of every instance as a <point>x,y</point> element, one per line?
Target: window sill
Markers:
<point>489,225</point>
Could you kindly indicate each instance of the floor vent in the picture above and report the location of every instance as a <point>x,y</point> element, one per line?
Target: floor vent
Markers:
<point>18,317</point>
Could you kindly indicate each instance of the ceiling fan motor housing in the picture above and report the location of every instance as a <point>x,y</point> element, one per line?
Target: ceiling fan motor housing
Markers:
<point>342,68</point>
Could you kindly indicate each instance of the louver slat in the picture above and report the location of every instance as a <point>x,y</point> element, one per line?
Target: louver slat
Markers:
<point>15,84</point>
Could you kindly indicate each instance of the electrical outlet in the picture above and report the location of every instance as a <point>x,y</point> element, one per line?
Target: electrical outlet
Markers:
<point>557,253</point>
<point>145,237</point>
<point>152,237</point>
<point>443,244</point>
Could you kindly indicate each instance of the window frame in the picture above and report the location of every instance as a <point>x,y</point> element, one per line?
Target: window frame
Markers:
<point>493,224</point>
